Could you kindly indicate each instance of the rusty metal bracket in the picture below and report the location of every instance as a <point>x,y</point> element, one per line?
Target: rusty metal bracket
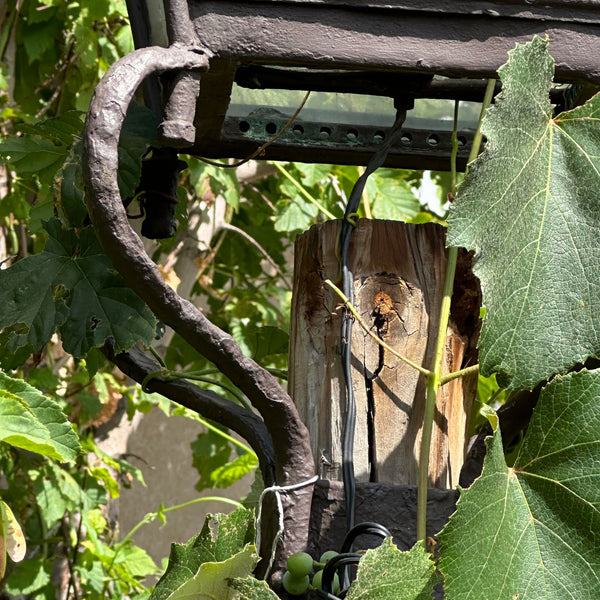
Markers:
<point>293,460</point>
<point>183,87</point>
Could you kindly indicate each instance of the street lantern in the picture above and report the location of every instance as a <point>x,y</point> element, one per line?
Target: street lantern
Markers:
<point>361,60</point>
<point>229,74</point>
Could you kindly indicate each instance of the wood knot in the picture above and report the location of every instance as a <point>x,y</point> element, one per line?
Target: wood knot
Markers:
<point>383,304</point>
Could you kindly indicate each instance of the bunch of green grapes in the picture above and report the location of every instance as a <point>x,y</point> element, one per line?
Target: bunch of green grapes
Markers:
<point>296,580</point>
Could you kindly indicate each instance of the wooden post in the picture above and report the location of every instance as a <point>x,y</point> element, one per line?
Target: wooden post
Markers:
<point>399,277</point>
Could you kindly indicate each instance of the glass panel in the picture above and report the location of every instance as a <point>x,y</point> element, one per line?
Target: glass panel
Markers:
<point>356,109</point>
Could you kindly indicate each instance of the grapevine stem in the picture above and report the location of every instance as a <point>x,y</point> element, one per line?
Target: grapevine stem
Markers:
<point>433,383</point>
<point>149,517</point>
<point>435,379</point>
<point>456,374</point>
<point>369,332</point>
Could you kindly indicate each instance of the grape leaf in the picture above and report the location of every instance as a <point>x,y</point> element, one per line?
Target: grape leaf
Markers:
<point>56,492</point>
<point>529,207</point>
<point>221,550</point>
<point>532,532</point>
<point>30,576</point>
<point>227,474</point>
<point>61,130</point>
<point>392,198</point>
<point>209,452</point>
<point>266,341</point>
<point>212,578</point>
<point>32,154</point>
<point>32,421</point>
<point>136,560</point>
<point>294,215</point>
<point>386,573</point>
<point>250,588</point>
<point>70,286</point>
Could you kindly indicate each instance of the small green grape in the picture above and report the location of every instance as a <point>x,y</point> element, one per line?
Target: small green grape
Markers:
<point>295,585</point>
<point>336,584</point>
<point>317,581</point>
<point>327,556</point>
<point>300,564</point>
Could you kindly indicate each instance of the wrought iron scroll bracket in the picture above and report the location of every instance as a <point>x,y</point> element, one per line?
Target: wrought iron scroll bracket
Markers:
<point>293,458</point>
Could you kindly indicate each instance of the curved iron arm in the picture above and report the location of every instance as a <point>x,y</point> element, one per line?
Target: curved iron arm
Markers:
<point>138,366</point>
<point>293,457</point>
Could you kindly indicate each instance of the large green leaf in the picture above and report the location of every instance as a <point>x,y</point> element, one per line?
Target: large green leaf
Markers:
<point>532,532</point>
<point>386,573</point>
<point>253,589</point>
<point>392,197</point>
<point>211,581</point>
<point>71,286</point>
<point>32,421</point>
<point>530,208</point>
<point>220,551</point>
<point>32,155</point>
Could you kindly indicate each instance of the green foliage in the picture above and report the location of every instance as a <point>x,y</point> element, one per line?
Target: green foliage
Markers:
<point>222,550</point>
<point>252,589</point>
<point>529,208</point>
<point>57,280</point>
<point>210,451</point>
<point>34,422</point>
<point>537,523</point>
<point>212,458</point>
<point>70,286</point>
<point>386,573</point>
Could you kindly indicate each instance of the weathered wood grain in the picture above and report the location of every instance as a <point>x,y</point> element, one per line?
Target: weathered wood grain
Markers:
<point>399,277</point>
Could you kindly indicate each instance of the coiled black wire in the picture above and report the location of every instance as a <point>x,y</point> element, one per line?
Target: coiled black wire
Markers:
<point>342,561</point>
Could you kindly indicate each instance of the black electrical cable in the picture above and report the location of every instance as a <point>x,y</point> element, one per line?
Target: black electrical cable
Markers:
<point>348,225</point>
<point>336,564</point>
<point>367,528</point>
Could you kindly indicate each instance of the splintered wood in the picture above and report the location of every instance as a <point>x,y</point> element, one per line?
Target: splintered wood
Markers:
<point>399,274</point>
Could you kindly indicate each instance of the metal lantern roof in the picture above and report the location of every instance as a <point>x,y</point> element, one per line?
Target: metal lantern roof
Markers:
<point>360,59</point>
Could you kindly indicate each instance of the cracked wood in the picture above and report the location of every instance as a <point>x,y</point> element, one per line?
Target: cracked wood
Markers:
<point>399,271</point>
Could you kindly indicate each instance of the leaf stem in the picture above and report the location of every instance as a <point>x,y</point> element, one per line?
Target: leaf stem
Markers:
<point>355,314</point>
<point>454,153</point>
<point>460,373</point>
<point>224,435</point>
<point>267,256</point>
<point>149,517</point>
<point>487,100</point>
<point>303,191</point>
<point>167,374</point>
<point>232,390</point>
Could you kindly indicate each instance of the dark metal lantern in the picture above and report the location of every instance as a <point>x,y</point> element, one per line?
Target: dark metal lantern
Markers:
<point>404,50</point>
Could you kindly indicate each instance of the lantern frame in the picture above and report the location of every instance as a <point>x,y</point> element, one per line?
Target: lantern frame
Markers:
<point>378,47</point>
